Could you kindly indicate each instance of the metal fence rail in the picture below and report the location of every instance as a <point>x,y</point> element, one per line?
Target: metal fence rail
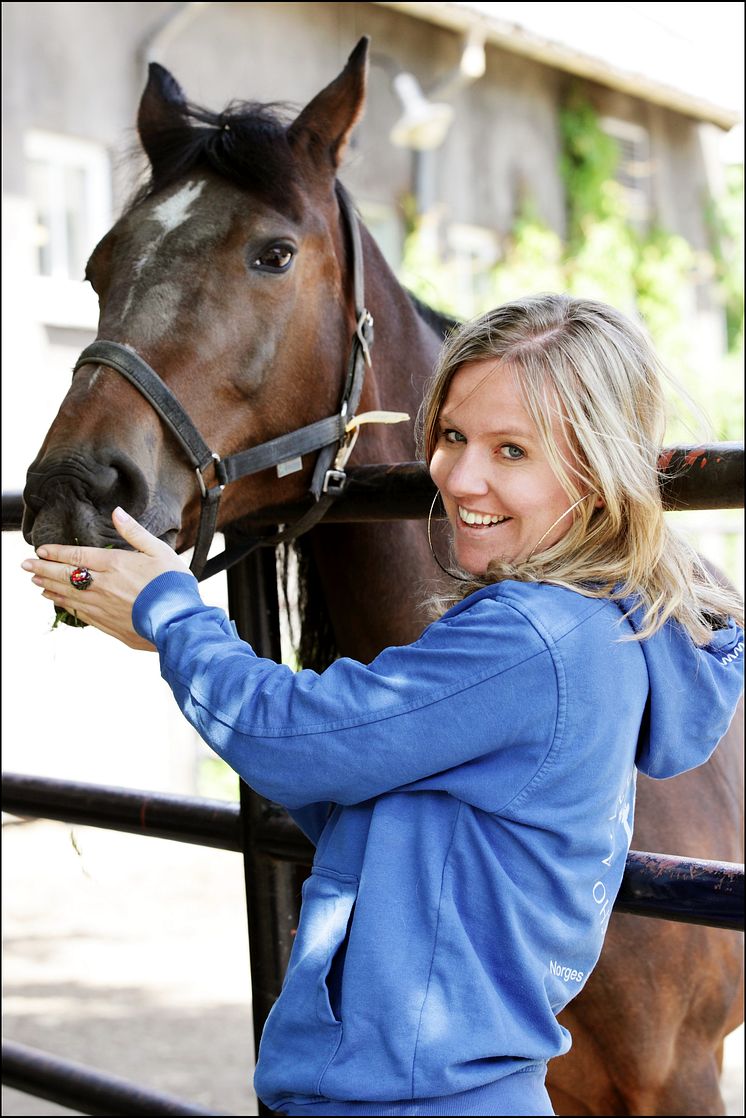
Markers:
<point>693,477</point>
<point>688,890</point>
<point>81,1088</point>
<point>276,855</point>
<point>214,823</point>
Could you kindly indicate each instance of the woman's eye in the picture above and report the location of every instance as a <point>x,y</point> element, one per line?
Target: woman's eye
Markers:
<point>511,452</point>
<point>275,258</point>
<point>452,436</point>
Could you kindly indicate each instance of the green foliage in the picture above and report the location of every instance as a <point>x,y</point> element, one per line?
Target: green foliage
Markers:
<point>725,218</point>
<point>588,164</point>
<point>427,272</point>
<point>533,260</point>
<point>654,274</point>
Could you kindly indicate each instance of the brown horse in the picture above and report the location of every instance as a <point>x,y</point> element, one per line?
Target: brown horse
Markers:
<point>233,275</point>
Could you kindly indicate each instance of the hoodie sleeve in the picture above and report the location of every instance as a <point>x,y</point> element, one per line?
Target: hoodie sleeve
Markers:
<point>356,731</point>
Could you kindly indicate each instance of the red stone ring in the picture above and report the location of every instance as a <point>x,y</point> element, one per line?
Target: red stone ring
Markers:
<point>81,578</point>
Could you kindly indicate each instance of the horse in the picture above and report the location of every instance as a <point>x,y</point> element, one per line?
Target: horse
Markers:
<point>238,273</point>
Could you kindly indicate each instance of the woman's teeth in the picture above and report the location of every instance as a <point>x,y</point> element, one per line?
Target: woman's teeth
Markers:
<point>479,517</point>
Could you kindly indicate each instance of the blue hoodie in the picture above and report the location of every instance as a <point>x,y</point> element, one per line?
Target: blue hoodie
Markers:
<point>471,798</point>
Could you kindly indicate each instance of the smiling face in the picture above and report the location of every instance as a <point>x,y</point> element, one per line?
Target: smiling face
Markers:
<point>500,492</point>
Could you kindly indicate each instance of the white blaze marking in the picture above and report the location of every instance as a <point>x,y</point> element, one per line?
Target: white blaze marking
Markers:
<point>170,213</point>
<point>174,210</point>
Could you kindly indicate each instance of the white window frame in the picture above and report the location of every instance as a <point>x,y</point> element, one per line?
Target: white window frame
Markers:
<point>63,299</point>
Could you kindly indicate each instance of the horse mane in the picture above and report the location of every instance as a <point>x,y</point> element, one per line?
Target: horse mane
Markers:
<point>246,144</point>
<point>441,323</point>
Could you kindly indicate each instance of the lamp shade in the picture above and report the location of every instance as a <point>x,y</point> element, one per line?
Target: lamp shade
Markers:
<point>423,124</point>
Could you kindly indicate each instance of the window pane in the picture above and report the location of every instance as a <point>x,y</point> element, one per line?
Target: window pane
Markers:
<point>76,222</point>
<point>40,191</point>
<point>69,186</point>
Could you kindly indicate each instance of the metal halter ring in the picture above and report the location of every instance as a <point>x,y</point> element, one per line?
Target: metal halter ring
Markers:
<point>81,578</point>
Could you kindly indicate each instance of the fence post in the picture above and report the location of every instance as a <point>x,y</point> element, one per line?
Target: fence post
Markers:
<point>272,886</point>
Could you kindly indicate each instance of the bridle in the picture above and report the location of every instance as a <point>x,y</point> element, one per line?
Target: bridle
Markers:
<point>333,437</point>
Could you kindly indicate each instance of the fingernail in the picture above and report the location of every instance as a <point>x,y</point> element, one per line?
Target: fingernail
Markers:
<point>121,514</point>
<point>42,552</point>
<point>27,565</point>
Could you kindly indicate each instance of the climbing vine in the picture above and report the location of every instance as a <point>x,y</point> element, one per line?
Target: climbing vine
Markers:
<point>605,255</point>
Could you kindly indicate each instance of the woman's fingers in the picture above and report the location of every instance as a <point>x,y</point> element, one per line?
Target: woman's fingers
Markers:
<point>57,562</point>
<point>51,555</point>
<point>101,585</point>
<point>136,536</point>
<point>102,558</point>
<point>49,573</point>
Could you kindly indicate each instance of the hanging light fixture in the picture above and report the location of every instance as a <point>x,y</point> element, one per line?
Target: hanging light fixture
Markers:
<point>423,124</point>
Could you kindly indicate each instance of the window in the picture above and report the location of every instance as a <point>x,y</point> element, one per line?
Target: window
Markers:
<point>69,188</point>
<point>634,171</point>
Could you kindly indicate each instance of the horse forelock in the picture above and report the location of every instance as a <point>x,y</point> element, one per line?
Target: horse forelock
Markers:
<point>246,144</point>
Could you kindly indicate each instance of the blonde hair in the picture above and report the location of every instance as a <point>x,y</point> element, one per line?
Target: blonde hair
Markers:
<point>586,365</point>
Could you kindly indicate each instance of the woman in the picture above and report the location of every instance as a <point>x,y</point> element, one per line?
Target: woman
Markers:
<point>471,795</point>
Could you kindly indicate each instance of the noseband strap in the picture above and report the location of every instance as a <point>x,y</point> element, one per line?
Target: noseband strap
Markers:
<point>330,436</point>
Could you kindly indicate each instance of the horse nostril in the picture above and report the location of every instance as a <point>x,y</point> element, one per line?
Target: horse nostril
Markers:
<point>103,480</point>
<point>119,482</point>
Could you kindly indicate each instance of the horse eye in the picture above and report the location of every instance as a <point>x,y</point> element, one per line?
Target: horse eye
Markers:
<point>275,258</point>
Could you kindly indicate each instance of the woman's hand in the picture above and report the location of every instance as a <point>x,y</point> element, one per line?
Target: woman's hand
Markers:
<point>117,577</point>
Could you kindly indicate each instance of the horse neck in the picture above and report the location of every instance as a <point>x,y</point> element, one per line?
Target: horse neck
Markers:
<point>373,578</point>
<point>403,355</point>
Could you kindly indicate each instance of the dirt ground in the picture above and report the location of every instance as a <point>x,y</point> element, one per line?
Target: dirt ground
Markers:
<point>130,954</point>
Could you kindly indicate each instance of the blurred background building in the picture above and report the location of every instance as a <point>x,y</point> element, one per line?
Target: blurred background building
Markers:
<point>505,148</point>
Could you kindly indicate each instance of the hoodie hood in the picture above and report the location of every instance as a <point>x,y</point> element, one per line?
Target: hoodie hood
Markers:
<point>693,691</point>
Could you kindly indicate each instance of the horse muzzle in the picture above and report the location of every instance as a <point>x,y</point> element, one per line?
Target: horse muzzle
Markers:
<point>70,500</point>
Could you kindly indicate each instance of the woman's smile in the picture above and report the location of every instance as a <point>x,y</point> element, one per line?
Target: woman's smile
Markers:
<point>479,519</point>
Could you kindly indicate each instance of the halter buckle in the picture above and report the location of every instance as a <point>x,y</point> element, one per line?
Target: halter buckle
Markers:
<point>334,482</point>
<point>220,474</point>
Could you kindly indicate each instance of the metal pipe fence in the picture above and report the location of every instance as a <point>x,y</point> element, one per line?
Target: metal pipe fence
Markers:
<point>688,890</point>
<point>276,855</point>
<point>81,1088</point>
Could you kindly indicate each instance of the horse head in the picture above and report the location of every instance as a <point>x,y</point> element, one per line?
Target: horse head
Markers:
<point>229,275</point>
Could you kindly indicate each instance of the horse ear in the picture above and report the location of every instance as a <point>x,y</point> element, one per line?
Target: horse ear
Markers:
<point>326,123</point>
<point>161,111</point>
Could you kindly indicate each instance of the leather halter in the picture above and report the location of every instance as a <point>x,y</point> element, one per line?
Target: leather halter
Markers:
<point>333,437</point>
